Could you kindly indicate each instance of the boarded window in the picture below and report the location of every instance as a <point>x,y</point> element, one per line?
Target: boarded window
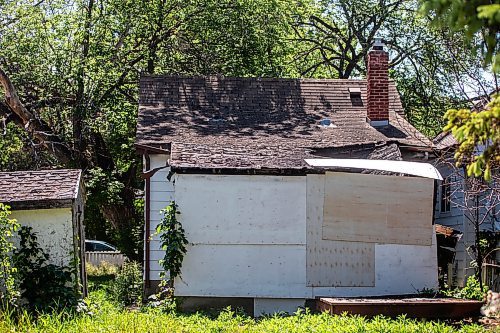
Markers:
<point>378,209</point>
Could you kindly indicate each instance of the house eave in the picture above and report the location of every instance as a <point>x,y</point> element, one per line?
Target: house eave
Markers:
<point>40,204</point>
<point>143,149</point>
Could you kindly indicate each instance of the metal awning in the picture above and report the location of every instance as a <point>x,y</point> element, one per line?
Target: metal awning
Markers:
<point>425,170</point>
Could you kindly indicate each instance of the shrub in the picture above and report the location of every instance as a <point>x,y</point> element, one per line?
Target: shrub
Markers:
<point>127,287</point>
<point>472,290</point>
<point>8,288</point>
<point>44,286</point>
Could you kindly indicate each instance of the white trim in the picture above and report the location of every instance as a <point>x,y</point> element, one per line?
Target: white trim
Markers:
<point>425,170</point>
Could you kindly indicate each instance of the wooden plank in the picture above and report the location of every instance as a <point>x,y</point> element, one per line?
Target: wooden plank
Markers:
<point>333,263</point>
<point>378,209</point>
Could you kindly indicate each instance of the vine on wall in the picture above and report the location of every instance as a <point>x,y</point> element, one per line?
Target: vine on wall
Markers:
<point>173,241</point>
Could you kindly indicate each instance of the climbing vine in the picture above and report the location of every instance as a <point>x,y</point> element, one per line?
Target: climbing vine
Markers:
<point>173,241</point>
<point>8,287</point>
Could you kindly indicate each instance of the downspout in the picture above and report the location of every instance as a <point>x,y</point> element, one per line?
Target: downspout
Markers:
<point>147,217</point>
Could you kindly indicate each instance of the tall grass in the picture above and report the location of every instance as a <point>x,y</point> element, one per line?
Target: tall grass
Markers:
<point>100,315</point>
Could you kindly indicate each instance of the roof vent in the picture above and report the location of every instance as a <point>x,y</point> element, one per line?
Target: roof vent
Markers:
<point>326,123</point>
<point>355,95</point>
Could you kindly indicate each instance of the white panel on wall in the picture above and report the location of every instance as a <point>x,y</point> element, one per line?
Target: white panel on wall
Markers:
<point>399,270</point>
<point>240,209</point>
<point>158,160</point>
<point>244,271</point>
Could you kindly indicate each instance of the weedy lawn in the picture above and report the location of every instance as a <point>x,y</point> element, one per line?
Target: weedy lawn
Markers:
<point>98,314</point>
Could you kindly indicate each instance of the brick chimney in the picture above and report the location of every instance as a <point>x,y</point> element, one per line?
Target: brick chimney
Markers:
<point>378,85</point>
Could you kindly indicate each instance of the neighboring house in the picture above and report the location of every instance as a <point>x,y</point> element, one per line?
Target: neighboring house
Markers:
<point>274,210</point>
<point>452,210</point>
<point>51,202</point>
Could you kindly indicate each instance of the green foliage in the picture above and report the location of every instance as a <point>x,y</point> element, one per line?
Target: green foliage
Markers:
<point>479,19</point>
<point>127,286</point>
<point>163,300</point>
<point>473,131</point>
<point>8,287</point>
<point>44,286</point>
<point>103,269</point>
<point>173,241</point>
<point>472,290</point>
<point>99,315</point>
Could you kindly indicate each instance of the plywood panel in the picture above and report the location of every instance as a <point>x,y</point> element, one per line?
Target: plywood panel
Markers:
<point>333,263</point>
<point>241,209</point>
<point>244,271</point>
<point>400,269</point>
<point>377,209</point>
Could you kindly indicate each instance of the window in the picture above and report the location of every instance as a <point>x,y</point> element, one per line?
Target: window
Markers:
<point>445,196</point>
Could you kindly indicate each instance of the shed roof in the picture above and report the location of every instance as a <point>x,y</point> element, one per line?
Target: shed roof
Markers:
<point>39,189</point>
<point>251,123</point>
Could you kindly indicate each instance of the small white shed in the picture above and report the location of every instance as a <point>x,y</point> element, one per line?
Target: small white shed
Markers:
<point>51,202</point>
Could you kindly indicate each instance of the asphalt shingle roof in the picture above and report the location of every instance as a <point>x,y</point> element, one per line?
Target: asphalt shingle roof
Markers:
<point>214,122</point>
<point>39,189</point>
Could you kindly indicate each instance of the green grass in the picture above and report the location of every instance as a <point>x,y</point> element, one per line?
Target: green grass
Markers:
<point>102,315</point>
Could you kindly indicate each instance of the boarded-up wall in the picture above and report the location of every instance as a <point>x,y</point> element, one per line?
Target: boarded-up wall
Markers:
<point>378,209</point>
<point>334,263</point>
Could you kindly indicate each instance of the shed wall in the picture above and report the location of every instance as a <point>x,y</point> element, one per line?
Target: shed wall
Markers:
<point>54,228</point>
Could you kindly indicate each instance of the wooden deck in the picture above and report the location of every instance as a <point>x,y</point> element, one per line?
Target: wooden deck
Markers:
<point>413,307</point>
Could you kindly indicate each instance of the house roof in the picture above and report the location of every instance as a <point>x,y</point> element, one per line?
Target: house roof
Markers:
<point>39,189</point>
<point>257,123</point>
<point>444,141</point>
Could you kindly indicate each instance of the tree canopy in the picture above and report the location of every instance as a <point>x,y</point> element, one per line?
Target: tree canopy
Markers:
<point>477,131</point>
<point>69,74</point>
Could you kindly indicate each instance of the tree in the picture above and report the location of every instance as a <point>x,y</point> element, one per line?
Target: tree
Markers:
<point>477,132</point>
<point>69,73</point>
<point>428,63</point>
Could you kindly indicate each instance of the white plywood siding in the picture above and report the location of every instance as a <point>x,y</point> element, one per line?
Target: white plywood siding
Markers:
<point>54,229</point>
<point>245,231</point>
<point>247,237</point>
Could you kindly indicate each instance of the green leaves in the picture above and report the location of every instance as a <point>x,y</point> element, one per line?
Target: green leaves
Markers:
<point>8,288</point>
<point>173,241</point>
<point>479,19</point>
<point>478,136</point>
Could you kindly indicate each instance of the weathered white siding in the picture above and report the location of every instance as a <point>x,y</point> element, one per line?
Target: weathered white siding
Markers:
<point>248,233</point>
<point>54,230</point>
<point>456,219</point>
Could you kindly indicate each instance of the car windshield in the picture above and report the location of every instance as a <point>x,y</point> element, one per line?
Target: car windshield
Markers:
<point>98,246</point>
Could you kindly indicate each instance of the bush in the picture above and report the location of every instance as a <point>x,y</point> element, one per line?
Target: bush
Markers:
<point>44,286</point>
<point>472,290</point>
<point>127,287</point>
<point>8,287</point>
